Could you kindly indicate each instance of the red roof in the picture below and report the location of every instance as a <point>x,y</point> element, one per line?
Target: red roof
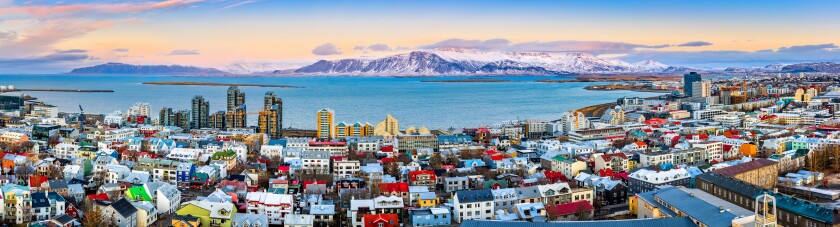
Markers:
<point>388,148</point>
<point>413,174</point>
<point>100,196</point>
<point>385,219</point>
<point>640,144</point>
<point>554,177</point>
<point>283,169</point>
<point>35,181</point>
<point>384,160</point>
<point>744,167</point>
<point>394,187</point>
<point>491,152</point>
<point>497,157</point>
<point>568,208</point>
<point>607,157</point>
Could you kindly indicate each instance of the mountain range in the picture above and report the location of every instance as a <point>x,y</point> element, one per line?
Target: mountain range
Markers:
<point>451,61</point>
<point>121,68</point>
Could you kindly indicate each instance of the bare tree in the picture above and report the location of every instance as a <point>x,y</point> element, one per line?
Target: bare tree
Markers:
<point>582,213</point>
<point>435,161</point>
<point>93,216</point>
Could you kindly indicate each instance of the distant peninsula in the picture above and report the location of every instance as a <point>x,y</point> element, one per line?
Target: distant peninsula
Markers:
<point>187,83</point>
<point>129,69</point>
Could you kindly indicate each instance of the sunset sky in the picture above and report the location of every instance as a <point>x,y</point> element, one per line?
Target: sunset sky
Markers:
<point>55,36</point>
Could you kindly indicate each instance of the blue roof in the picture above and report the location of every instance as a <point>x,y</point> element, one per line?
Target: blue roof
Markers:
<point>695,207</point>
<point>454,139</point>
<point>658,222</point>
<point>784,202</point>
<point>648,196</point>
<point>281,142</point>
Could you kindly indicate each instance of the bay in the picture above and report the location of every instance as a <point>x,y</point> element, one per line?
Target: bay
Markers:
<point>435,105</point>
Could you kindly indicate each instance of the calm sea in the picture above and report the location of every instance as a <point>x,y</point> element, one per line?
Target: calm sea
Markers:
<point>354,99</point>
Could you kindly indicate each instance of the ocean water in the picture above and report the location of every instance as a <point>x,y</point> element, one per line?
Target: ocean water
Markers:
<point>354,99</point>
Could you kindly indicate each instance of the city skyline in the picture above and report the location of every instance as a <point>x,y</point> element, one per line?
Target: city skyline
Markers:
<point>48,37</point>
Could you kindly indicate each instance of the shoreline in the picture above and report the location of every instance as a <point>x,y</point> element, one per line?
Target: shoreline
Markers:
<point>58,90</point>
<point>184,83</point>
<point>467,81</point>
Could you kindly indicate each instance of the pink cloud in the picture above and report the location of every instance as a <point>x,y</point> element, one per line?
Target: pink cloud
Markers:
<point>42,11</point>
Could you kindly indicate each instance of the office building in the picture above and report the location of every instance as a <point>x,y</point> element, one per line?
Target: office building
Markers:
<point>217,120</point>
<point>325,123</point>
<point>200,112</point>
<point>271,116</point>
<point>182,119</point>
<point>688,82</point>
<point>166,117</point>
<point>701,89</point>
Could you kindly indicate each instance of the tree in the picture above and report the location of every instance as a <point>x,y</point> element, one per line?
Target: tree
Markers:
<point>453,159</point>
<point>93,216</point>
<point>435,161</point>
<point>392,169</point>
<point>24,172</point>
<point>404,159</point>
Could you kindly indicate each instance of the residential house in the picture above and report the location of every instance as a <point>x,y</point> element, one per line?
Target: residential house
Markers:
<point>473,205</point>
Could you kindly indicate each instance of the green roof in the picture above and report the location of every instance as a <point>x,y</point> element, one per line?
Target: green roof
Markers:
<point>224,154</point>
<point>559,158</point>
<point>138,193</point>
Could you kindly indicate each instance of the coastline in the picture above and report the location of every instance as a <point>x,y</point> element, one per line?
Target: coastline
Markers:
<point>185,83</point>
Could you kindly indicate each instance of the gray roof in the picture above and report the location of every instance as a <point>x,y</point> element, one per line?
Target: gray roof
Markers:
<point>696,208</point>
<point>658,222</point>
<point>471,196</point>
<point>528,192</point>
<point>239,219</point>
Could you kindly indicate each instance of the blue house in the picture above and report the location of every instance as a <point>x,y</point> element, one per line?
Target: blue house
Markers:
<point>430,217</point>
<point>185,172</point>
<point>473,163</point>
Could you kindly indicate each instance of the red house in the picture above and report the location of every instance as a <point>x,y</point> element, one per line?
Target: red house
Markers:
<point>569,211</point>
<point>381,220</point>
<point>397,189</point>
<point>423,178</point>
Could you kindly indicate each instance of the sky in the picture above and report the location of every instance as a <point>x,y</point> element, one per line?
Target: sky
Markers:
<point>55,36</point>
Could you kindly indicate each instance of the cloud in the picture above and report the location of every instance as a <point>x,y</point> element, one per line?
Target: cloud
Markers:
<point>43,11</point>
<point>490,44</point>
<point>47,33</point>
<point>373,47</point>
<point>326,49</point>
<point>808,48</point>
<point>183,52</point>
<point>592,47</point>
<point>7,37</point>
<point>121,50</point>
<point>695,44</point>
<point>71,51</point>
<point>379,47</point>
<point>726,58</point>
<point>57,60</point>
<point>238,4</point>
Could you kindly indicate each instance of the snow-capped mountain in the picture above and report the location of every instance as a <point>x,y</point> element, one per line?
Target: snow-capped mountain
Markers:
<point>258,67</point>
<point>452,61</point>
<point>650,66</point>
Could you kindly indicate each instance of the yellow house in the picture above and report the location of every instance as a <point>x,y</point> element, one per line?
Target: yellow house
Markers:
<point>208,213</point>
<point>633,205</point>
<point>631,164</point>
<point>427,199</point>
<point>185,221</point>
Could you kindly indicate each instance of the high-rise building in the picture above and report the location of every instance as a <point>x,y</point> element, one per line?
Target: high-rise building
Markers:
<point>182,119</point>
<point>701,89</point>
<point>236,116</point>
<point>325,123</point>
<point>235,98</point>
<point>271,116</point>
<point>217,120</point>
<point>388,127</point>
<point>139,109</point>
<point>166,117</point>
<point>200,112</point>
<point>688,80</point>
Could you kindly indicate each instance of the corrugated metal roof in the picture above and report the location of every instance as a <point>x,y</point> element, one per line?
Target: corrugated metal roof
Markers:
<point>659,222</point>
